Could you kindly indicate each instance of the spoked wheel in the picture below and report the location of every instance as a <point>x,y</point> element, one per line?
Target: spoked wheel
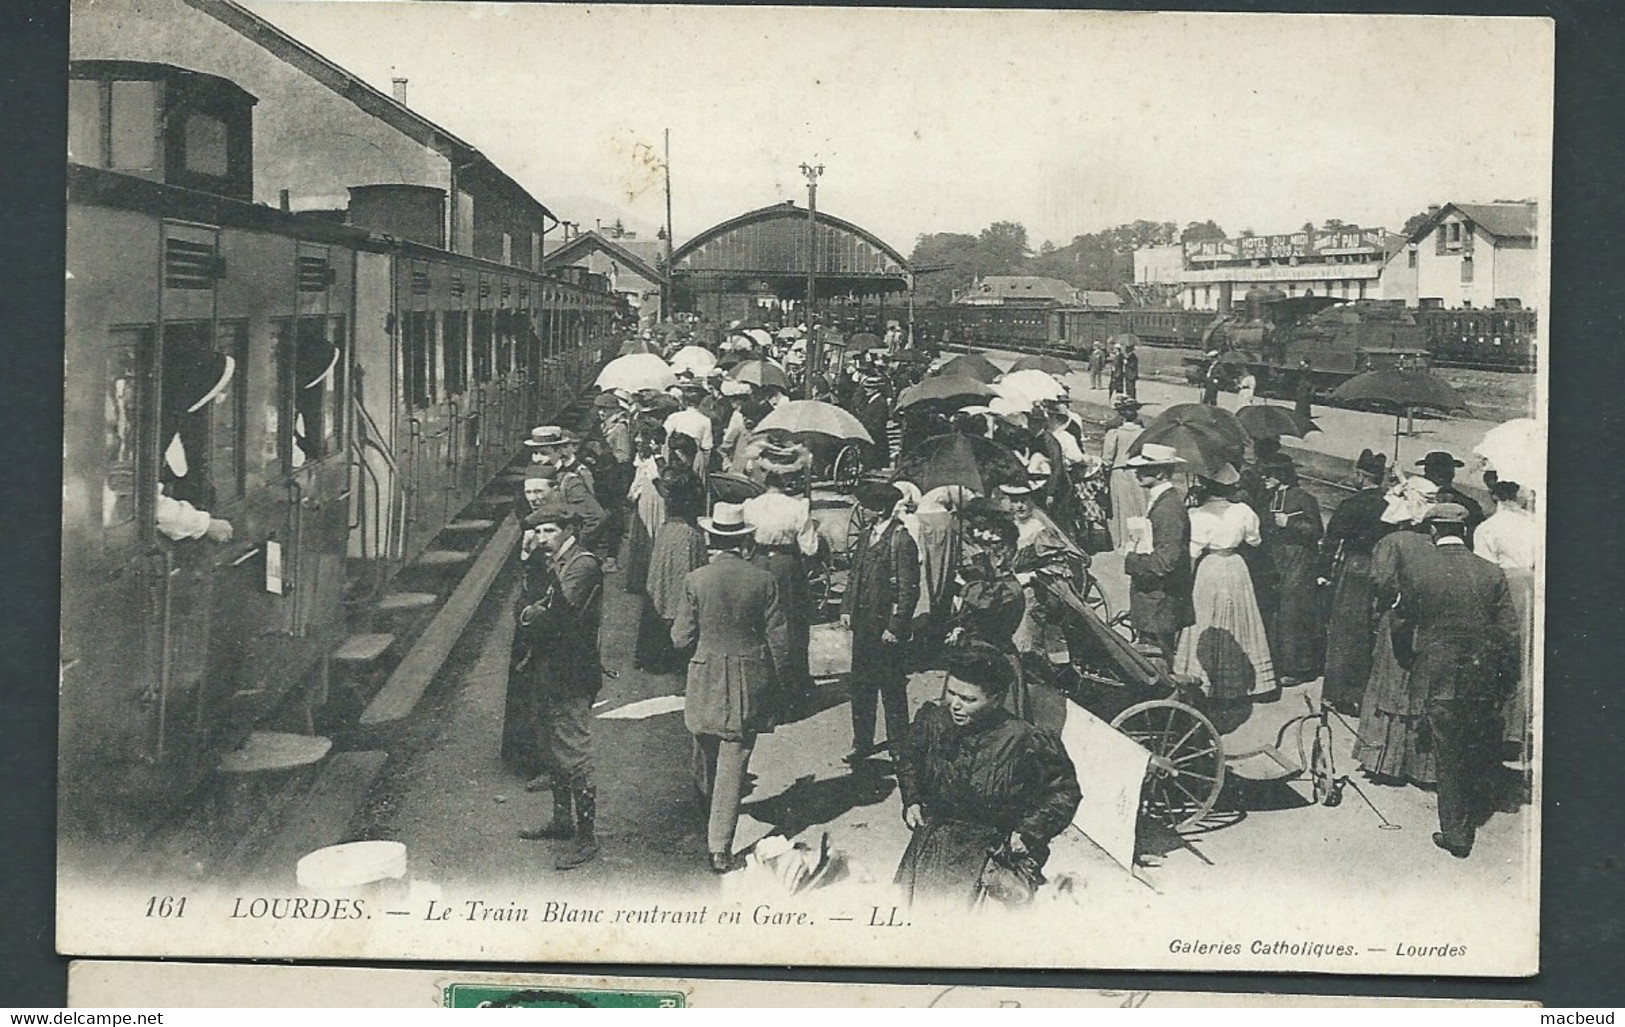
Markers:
<point>862,520</point>
<point>847,468</point>
<point>1187,760</point>
<point>1322,771</point>
<point>1095,598</point>
<point>818,585</point>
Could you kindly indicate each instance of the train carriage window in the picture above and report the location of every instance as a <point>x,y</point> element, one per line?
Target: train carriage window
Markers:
<point>419,363</point>
<point>229,430</point>
<point>316,382</point>
<point>482,345</point>
<point>206,152</point>
<point>194,377</point>
<point>504,338</point>
<point>121,405</point>
<point>85,122</point>
<point>133,123</point>
<point>455,352</point>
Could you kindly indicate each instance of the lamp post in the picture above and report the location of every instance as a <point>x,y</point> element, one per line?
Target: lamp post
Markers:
<point>815,353</point>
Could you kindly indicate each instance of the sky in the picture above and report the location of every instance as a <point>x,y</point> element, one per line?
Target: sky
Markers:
<point>947,121</point>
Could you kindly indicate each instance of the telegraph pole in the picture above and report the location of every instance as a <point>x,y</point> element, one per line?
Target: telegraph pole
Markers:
<point>815,353</point>
<point>668,294</point>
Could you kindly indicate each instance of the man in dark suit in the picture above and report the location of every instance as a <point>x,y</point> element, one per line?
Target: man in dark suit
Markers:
<point>1456,631</point>
<point>556,651</point>
<point>1159,570</point>
<point>882,590</point>
<point>730,612</point>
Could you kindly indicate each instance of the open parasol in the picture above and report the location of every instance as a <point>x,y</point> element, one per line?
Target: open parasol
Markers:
<point>862,341</point>
<point>694,359</point>
<point>1516,451</point>
<point>761,372</point>
<point>1217,420</point>
<point>971,365</point>
<point>946,391</point>
<point>978,464</point>
<point>790,332</point>
<point>1029,387</point>
<point>759,336</point>
<point>1262,421</point>
<point>636,372</point>
<point>1202,448</point>
<point>1400,392</point>
<point>815,417</point>
<point>1042,362</point>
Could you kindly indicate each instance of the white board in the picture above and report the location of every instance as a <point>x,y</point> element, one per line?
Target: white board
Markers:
<point>1111,771</point>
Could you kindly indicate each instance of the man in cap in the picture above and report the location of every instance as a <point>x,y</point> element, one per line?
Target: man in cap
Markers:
<point>556,651</point>
<point>1440,467</point>
<point>730,611</point>
<point>554,448</point>
<point>1159,566</point>
<point>1212,379</point>
<point>1455,629</point>
<point>883,588</point>
<point>1097,364</point>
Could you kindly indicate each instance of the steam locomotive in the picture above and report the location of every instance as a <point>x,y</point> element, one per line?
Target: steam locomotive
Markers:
<point>334,396</point>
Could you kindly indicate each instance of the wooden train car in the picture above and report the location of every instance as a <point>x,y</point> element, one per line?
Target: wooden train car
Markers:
<point>336,398</point>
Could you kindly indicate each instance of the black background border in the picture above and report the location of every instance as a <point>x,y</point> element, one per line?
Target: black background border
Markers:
<point>1583,900</point>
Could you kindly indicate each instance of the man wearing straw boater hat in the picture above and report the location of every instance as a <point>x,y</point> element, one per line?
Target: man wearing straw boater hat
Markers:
<point>555,653</point>
<point>1158,562</point>
<point>555,447</point>
<point>731,612</point>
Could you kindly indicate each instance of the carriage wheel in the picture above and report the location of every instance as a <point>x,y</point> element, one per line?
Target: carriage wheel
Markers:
<point>847,468</point>
<point>818,585</point>
<point>1095,599</point>
<point>1187,760</point>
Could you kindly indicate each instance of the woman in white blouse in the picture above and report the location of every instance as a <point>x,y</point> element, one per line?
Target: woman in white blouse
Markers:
<point>1510,538</point>
<point>1226,648</point>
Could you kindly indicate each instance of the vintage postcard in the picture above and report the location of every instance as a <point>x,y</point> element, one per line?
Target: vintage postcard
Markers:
<point>236,986</point>
<point>802,485</point>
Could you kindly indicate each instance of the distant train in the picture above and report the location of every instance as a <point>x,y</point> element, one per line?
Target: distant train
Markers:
<point>336,397</point>
<point>1495,339</point>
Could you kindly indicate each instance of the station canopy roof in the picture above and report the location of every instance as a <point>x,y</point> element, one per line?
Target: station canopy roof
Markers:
<point>769,246</point>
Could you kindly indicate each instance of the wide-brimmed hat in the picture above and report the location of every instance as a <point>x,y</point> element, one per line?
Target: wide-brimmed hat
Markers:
<point>1154,454</point>
<point>878,494</point>
<point>1226,474</point>
<point>1371,463</point>
<point>727,520</point>
<point>1123,402</point>
<point>778,454</point>
<point>1039,470</point>
<point>610,401</point>
<point>1438,458</point>
<point>551,435</point>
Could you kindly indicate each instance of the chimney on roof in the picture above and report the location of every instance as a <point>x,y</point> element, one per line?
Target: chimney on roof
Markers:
<point>399,89</point>
<point>1433,208</point>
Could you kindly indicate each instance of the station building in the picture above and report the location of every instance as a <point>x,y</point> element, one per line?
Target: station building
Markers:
<point>1345,262</point>
<point>1469,255</point>
<point>631,274</point>
<point>323,140</point>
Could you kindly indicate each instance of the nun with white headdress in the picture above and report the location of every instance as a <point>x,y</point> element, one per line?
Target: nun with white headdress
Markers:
<point>195,377</point>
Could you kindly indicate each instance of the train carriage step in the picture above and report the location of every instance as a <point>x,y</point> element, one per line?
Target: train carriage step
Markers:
<point>469,525</point>
<point>307,820</point>
<point>404,602</point>
<point>440,558</point>
<point>272,751</point>
<point>360,650</point>
<point>412,676</point>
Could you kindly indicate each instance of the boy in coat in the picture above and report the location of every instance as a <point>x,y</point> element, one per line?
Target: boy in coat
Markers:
<point>1160,576</point>
<point>731,613</point>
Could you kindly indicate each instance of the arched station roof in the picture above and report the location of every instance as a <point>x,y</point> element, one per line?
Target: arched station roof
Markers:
<point>771,243</point>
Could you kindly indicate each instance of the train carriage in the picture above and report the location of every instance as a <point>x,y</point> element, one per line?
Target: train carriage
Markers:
<point>376,388</point>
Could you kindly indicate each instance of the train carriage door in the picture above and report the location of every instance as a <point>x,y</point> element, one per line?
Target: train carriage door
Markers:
<point>420,364</point>
<point>313,376</point>
<point>462,405</point>
<point>507,332</point>
<point>525,357</point>
<point>493,410</point>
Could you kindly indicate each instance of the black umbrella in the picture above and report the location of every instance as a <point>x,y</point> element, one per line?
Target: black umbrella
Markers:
<point>978,464</point>
<point>862,341</point>
<point>1400,392</point>
<point>1202,448</point>
<point>1042,362</point>
<point>1216,420</point>
<point>945,391</point>
<point>971,365</point>
<point>1272,422</point>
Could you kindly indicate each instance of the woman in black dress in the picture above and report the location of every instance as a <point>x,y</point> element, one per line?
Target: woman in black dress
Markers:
<point>983,791</point>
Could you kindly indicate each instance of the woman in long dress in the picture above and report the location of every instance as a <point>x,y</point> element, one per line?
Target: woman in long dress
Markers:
<point>1292,541</point>
<point>786,536</point>
<point>1510,538</point>
<point>1391,747</point>
<point>1352,532</point>
<point>1226,648</point>
<point>648,506</point>
<point>977,781</point>
<point>1127,498</point>
<point>679,547</point>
